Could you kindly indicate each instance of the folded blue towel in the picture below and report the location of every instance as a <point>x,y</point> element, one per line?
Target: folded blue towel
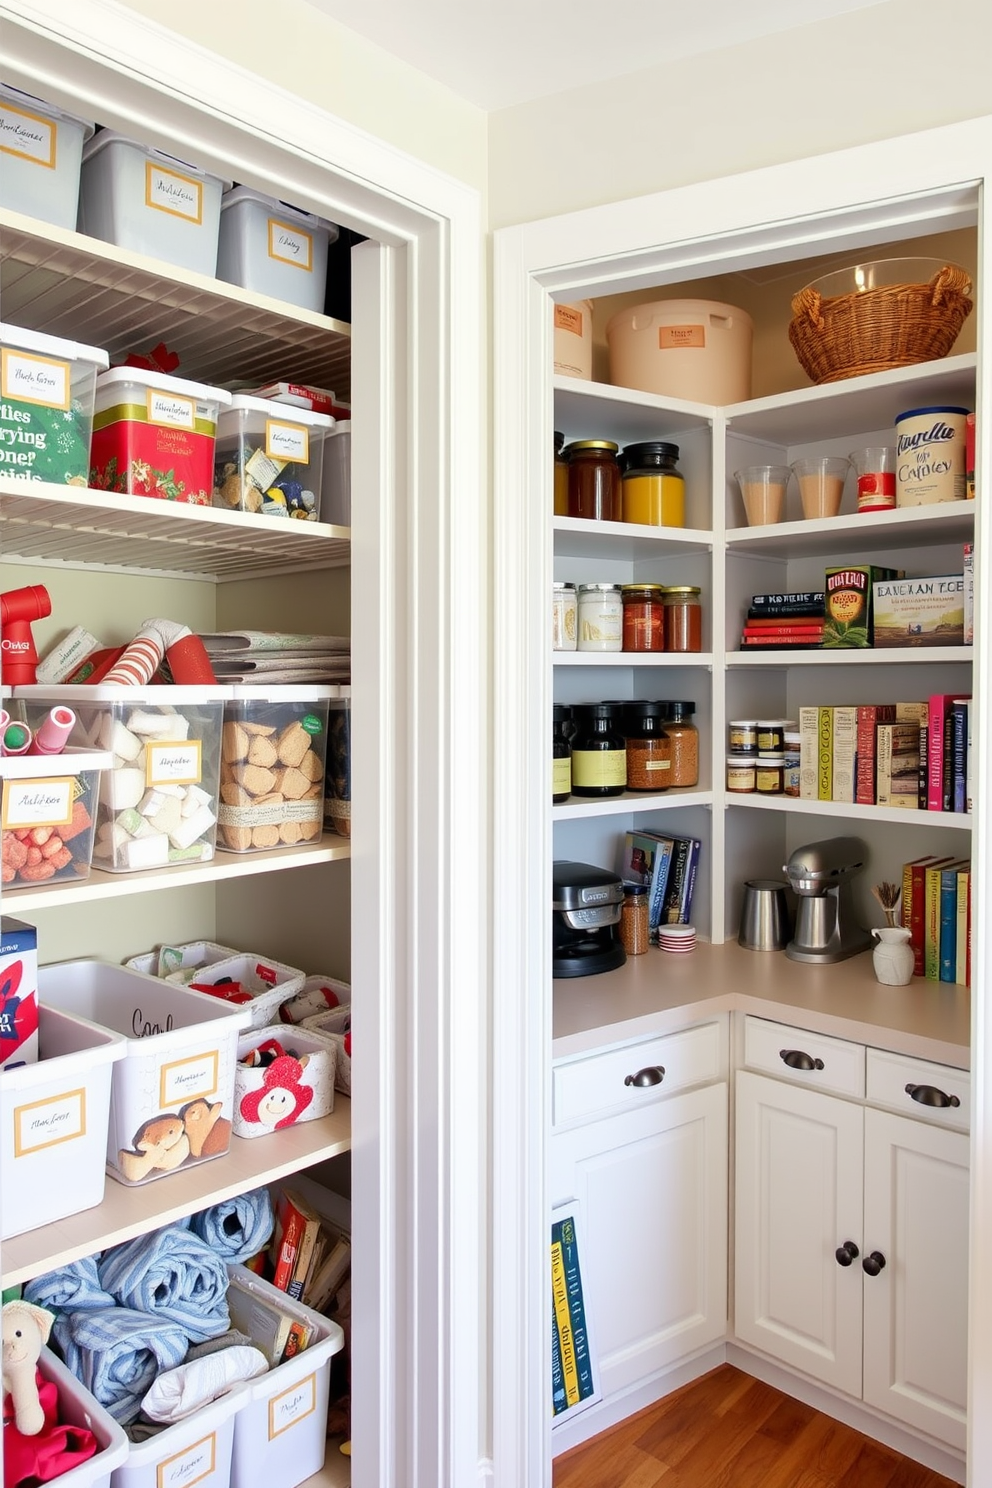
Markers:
<point>72,1288</point>
<point>118,1354</point>
<point>237,1229</point>
<point>173,1274</point>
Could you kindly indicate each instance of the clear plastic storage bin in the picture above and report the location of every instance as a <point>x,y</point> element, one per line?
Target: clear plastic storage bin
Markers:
<point>269,458</point>
<point>50,805</point>
<point>42,147</point>
<point>154,435</point>
<point>272,767</point>
<point>335,486</point>
<point>273,249</point>
<point>337,783</point>
<point>47,387</point>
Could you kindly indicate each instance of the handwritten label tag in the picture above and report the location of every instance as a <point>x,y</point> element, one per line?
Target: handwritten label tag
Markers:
<point>37,803</point>
<point>46,1123</point>
<point>672,337</point>
<point>292,1406</point>
<point>168,409</point>
<point>287,442</point>
<point>34,379</point>
<point>567,319</point>
<point>189,1466</point>
<point>169,191</point>
<point>174,764</point>
<point>28,136</point>
<point>290,245</point>
<point>189,1079</point>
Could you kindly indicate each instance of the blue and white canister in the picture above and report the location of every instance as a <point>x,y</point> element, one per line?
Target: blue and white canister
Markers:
<point>930,456</point>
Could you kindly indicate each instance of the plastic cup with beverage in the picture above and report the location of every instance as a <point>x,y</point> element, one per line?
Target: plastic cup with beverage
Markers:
<point>875,468</point>
<point>763,490</point>
<point>821,484</point>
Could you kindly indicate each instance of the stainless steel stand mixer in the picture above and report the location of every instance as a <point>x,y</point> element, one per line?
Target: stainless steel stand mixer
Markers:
<point>820,876</point>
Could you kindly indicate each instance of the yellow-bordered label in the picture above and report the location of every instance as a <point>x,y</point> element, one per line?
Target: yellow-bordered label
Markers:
<point>47,1123</point>
<point>193,1078</point>
<point>290,245</point>
<point>173,764</point>
<point>28,136</point>
<point>292,1406</point>
<point>35,379</point>
<point>189,1466</point>
<point>170,191</point>
<point>38,803</point>
<point>289,443</point>
<point>170,409</point>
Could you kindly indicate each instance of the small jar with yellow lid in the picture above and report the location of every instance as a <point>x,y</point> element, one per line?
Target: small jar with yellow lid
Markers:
<point>653,485</point>
<point>683,618</point>
<point>593,480</point>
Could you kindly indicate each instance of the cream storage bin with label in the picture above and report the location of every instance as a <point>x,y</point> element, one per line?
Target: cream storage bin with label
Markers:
<point>694,349</point>
<point>173,1092</point>
<point>54,1120</point>
<point>335,485</point>
<point>196,1450</point>
<point>267,983</point>
<point>269,458</point>
<point>158,805</point>
<point>279,1437</point>
<point>49,810</point>
<point>150,202</point>
<point>272,767</point>
<point>154,435</point>
<point>297,1086</point>
<point>47,388</point>
<point>41,147</point>
<point>77,1407</point>
<point>273,249</point>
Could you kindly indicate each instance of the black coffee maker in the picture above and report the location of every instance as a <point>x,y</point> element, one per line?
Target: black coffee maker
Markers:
<point>586,920</point>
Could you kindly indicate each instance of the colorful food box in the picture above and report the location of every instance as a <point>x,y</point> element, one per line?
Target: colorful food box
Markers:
<point>18,992</point>
<point>919,612</point>
<point>154,435</point>
<point>848,609</point>
<point>47,387</point>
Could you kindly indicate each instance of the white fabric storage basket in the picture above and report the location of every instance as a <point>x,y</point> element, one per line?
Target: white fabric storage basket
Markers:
<point>274,249</point>
<point>333,1025</point>
<point>196,1450</point>
<point>41,148</point>
<point>78,1407</point>
<point>335,488</point>
<point>698,350</point>
<point>150,202</point>
<point>173,1092</point>
<point>54,1119</point>
<point>191,956</point>
<point>269,1098</point>
<point>269,982</point>
<point>280,1435</point>
<point>319,994</point>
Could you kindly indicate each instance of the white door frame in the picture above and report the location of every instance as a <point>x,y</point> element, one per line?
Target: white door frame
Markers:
<point>419,920</point>
<point>869,194</point>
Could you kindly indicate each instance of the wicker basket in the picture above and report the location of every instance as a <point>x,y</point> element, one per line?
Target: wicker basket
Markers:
<point>850,335</point>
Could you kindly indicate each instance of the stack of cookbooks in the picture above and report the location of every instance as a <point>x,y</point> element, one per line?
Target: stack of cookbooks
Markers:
<point>794,620</point>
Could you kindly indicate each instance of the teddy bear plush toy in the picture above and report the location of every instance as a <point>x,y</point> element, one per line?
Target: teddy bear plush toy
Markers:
<point>25,1333</point>
<point>37,1446</point>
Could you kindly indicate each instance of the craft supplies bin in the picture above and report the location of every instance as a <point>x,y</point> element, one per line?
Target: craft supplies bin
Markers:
<point>158,806</point>
<point>54,1118</point>
<point>188,959</point>
<point>269,982</point>
<point>47,387</point>
<point>49,813</point>
<point>295,1087</point>
<point>173,1091</point>
<point>335,1026</point>
<point>42,148</point>
<point>269,458</point>
<point>79,1408</point>
<point>279,1436</point>
<point>337,785</point>
<point>335,485</point>
<point>694,349</point>
<point>145,200</point>
<point>272,767</point>
<point>195,1450</point>
<point>273,249</point>
<point>153,435</point>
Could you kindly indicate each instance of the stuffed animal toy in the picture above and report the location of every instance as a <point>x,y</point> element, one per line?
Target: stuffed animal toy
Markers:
<point>25,1333</point>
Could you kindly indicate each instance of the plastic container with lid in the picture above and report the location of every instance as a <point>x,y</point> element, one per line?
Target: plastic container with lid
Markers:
<point>153,435</point>
<point>599,754</point>
<point>561,477</point>
<point>335,481</point>
<point>683,618</point>
<point>561,753</point>
<point>653,485</point>
<point>41,147</point>
<point>695,349</point>
<point>272,767</point>
<point>600,610</point>
<point>49,816</point>
<point>594,482</point>
<point>643,617</point>
<point>337,782</point>
<point>272,248</point>
<point>143,199</point>
<point>47,388</point>
<point>649,748</point>
<point>268,458</point>
<point>684,738</point>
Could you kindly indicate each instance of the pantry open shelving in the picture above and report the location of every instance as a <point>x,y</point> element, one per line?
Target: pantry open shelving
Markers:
<point>578,809</point>
<point>887,656</point>
<point>956,820</point>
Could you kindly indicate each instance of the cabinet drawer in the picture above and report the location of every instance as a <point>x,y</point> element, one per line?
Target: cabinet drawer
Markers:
<point>889,1075</point>
<point>585,1087</point>
<point>815,1060</point>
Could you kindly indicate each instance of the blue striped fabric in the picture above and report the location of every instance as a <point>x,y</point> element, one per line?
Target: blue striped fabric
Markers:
<point>118,1353</point>
<point>238,1228</point>
<point>72,1288</point>
<point>174,1275</point>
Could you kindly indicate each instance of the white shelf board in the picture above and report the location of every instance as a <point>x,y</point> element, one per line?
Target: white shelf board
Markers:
<point>633,658</point>
<point>852,812</point>
<point>223,867</point>
<point>581,807</point>
<point>67,284</point>
<point>577,537</point>
<point>867,532</point>
<point>72,524</point>
<point>128,1210</point>
<point>885,656</point>
<point>596,410</point>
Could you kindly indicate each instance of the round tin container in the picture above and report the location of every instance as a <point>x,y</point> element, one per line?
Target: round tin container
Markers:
<point>930,456</point>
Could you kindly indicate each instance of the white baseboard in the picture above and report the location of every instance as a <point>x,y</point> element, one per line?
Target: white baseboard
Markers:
<point>606,1413</point>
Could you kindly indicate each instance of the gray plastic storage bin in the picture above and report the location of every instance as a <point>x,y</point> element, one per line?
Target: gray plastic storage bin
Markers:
<point>42,148</point>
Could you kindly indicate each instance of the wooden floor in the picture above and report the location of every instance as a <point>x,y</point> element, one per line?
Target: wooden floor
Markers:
<point>727,1430</point>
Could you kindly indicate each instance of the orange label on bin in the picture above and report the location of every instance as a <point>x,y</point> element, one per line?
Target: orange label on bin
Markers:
<point>678,336</point>
<point>567,319</point>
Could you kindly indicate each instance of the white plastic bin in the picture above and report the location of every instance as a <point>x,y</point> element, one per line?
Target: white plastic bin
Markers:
<point>77,1407</point>
<point>154,435</point>
<point>268,459</point>
<point>49,816</point>
<point>335,1027</point>
<point>150,202</point>
<point>196,1450</point>
<point>54,1119</point>
<point>47,388</point>
<point>272,767</point>
<point>273,249</point>
<point>174,1088</point>
<point>694,349</point>
<point>335,485</point>
<point>187,959</point>
<point>279,1436</point>
<point>271,1097</point>
<point>269,982</point>
<point>41,147</point>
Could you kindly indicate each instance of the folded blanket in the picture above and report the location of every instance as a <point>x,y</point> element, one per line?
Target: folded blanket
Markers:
<point>179,1392</point>
<point>233,1339</point>
<point>72,1288</point>
<point>117,1353</point>
<point>172,1274</point>
<point>239,1228</point>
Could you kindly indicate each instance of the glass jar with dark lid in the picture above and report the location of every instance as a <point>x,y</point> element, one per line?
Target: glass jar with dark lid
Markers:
<point>561,477</point>
<point>561,753</point>
<point>643,617</point>
<point>594,480</point>
<point>649,748</point>
<point>599,755</point>
<point>685,744</point>
<point>653,485</point>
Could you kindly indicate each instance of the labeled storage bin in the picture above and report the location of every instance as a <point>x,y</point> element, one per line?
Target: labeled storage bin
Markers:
<point>181,962</point>
<point>269,458</point>
<point>49,811</point>
<point>335,1027</point>
<point>573,340</point>
<point>337,786</point>
<point>297,1086</point>
<point>279,1436</point>
<point>273,249</point>
<point>335,485</point>
<point>154,435</point>
<point>54,1120</point>
<point>195,1450</point>
<point>268,983</point>
<point>149,202</point>
<point>173,1091</point>
<point>272,767</point>
<point>77,1407</point>
<point>41,147</point>
<point>47,388</point>
<point>694,349</point>
<point>319,994</point>
<point>158,805</point>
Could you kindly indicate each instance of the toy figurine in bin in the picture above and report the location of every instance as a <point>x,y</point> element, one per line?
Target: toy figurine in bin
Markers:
<point>272,767</point>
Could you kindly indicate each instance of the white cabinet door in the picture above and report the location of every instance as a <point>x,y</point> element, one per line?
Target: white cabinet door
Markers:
<point>653,1188</point>
<point>916,1307</point>
<point>798,1200</point>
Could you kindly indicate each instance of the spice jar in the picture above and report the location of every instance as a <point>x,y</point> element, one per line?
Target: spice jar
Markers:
<point>791,779</point>
<point>742,736</point>
<point>740,774</point>
<point>643,617</point>
<point>684,737</point>
<point>599,756</point>
<point>593,480</point>
<point>561,477</point>
<point>769,774</point>
<point>561,753</point>
<point>600,617</point>
<point>634,928</point>
<point>653,486</point>
<point>564,617</point>
<point>771,735</point>
<point>683,618</point>
<point>649,749</point>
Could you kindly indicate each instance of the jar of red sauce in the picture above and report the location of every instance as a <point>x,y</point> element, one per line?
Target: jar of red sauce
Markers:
<point>643,617</point>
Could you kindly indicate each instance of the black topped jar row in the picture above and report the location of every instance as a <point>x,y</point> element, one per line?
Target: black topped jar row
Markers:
<point>606,748</point>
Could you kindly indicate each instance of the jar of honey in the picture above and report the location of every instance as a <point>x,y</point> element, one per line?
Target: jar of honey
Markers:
<point>653,486</point>
<point>561,477</point>
<point>683,618</point>
<point>643,617</point>
<point>594,480</point>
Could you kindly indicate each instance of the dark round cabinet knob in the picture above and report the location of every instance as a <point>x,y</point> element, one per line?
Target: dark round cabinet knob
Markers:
<point>796,1059</point>
<point>930,1095</point>
<point>653,1074</point>
<point>873,1263</point>
<point>846,1253</point>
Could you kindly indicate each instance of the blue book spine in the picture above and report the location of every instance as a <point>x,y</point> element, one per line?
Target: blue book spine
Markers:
<point>948,925</point>
<point>659,880</point>
<point>959,750</point>
<point>685,914</point>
